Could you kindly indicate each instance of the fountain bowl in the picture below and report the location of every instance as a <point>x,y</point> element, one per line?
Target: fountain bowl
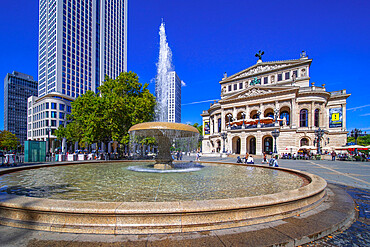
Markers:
<point>158,217</point>
<point>164,133</point>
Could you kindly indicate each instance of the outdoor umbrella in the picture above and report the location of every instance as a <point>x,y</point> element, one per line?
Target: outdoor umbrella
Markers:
<point>308,147</point>
<point>291,148</point>
<point>358,147</point>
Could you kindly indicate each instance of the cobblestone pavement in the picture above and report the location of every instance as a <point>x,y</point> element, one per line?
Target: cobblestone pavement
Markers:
<point>354,178</point>
<point>358,234</point>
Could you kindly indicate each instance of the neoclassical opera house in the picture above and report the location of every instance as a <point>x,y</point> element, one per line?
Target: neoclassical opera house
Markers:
<point>272,96</point>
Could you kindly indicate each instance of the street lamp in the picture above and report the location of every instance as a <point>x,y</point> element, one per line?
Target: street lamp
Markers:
<point>275,133</point>
<point>224,136</point>
<point>319,134</point>
<point>48,151</point>
<point>356,133</point>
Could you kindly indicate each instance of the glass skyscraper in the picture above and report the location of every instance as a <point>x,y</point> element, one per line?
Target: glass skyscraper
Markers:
<point>17,88</point>
<point>80,41</point>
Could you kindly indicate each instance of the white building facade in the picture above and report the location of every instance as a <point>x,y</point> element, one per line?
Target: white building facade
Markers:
<point>45,114</point>
<point>80,42</point>
<point>174,98</point>
<point>272,96</point>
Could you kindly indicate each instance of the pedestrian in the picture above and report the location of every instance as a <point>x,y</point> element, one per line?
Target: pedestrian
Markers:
<point>264,161</point>
<point>198,156</point>
<point>333,154</point>
<point>180,155</point>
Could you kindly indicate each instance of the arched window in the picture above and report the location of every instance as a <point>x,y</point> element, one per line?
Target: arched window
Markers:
<point>304,142</point>
<point>317,117</point>
<point>303,118</point>
<point>255,116</point>
<point>285,115</point>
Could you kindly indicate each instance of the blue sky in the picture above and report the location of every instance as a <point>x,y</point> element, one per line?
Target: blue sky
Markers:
<point>210,37</point>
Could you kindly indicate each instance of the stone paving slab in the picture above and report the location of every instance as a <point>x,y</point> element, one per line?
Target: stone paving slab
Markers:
<point>293,231</point>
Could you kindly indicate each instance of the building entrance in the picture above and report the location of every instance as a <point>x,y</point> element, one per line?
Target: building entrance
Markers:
<point>267,145</point>
<point>252,145</point>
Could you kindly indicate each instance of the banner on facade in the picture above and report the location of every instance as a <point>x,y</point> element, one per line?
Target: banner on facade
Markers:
<point>206,128</point>
<point>335,117</point>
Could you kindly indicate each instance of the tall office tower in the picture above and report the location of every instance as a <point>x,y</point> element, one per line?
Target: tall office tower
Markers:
<point>80,41</point>
<point>174,98</point>
<point>17,88</point>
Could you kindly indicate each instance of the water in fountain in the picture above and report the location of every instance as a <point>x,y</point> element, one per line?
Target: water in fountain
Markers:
<point>164,66</point>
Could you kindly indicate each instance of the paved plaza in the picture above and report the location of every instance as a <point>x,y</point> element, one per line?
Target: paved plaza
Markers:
<point>342,176</point>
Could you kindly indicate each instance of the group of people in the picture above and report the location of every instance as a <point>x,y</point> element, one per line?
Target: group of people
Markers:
<point>248,159</point>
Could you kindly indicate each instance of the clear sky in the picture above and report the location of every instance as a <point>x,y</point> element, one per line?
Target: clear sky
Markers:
<point>210,37</point>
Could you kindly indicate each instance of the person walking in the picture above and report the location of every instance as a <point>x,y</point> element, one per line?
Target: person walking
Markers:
<point>198,156</point>
<point>333,154</point>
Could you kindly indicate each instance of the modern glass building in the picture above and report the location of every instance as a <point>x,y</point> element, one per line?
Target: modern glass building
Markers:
<point>80,41</point>
<point>174,98</point>
<point>17,88</point>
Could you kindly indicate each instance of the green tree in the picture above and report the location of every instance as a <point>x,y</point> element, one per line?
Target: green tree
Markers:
<point>121,103</point>
<point>8,141</point>
<point>126,102</point>
<point>361,140</point>
<point>199,128</point>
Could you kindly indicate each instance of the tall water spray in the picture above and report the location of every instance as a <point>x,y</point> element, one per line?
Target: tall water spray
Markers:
<point>164,66</point>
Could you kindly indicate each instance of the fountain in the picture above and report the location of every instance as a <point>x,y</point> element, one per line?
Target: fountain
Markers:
<point>164,133</point>
<point>164,66</point>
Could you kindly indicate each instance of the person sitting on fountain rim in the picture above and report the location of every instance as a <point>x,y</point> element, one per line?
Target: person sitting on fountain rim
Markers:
<point>273,162</point>
<point>246,158</point>
<point>250,160</point>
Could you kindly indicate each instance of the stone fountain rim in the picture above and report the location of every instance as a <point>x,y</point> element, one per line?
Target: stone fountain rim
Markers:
<point>316,186</point>
<point>163,126</point>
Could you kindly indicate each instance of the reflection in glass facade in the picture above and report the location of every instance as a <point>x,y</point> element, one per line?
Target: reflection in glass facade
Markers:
<point>80,42</point>
<point>17,88</point>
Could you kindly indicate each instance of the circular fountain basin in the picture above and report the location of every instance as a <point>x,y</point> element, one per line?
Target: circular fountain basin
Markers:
<point>65,198</point>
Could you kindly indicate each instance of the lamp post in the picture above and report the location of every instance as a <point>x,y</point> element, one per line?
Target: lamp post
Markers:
<point>319,134</point>
<point>224,136</point>
<point>48,151</point>
<point>356,133</point>
<point>275,133</point>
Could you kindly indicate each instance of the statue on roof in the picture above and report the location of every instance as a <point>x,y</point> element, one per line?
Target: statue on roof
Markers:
<point>259,54</point>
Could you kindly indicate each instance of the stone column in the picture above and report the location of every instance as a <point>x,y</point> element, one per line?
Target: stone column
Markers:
<point>312,115</point>
<point>223,123</point>
<point>293,114</point>
<point>259,143</point>
<point>243,144</point>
